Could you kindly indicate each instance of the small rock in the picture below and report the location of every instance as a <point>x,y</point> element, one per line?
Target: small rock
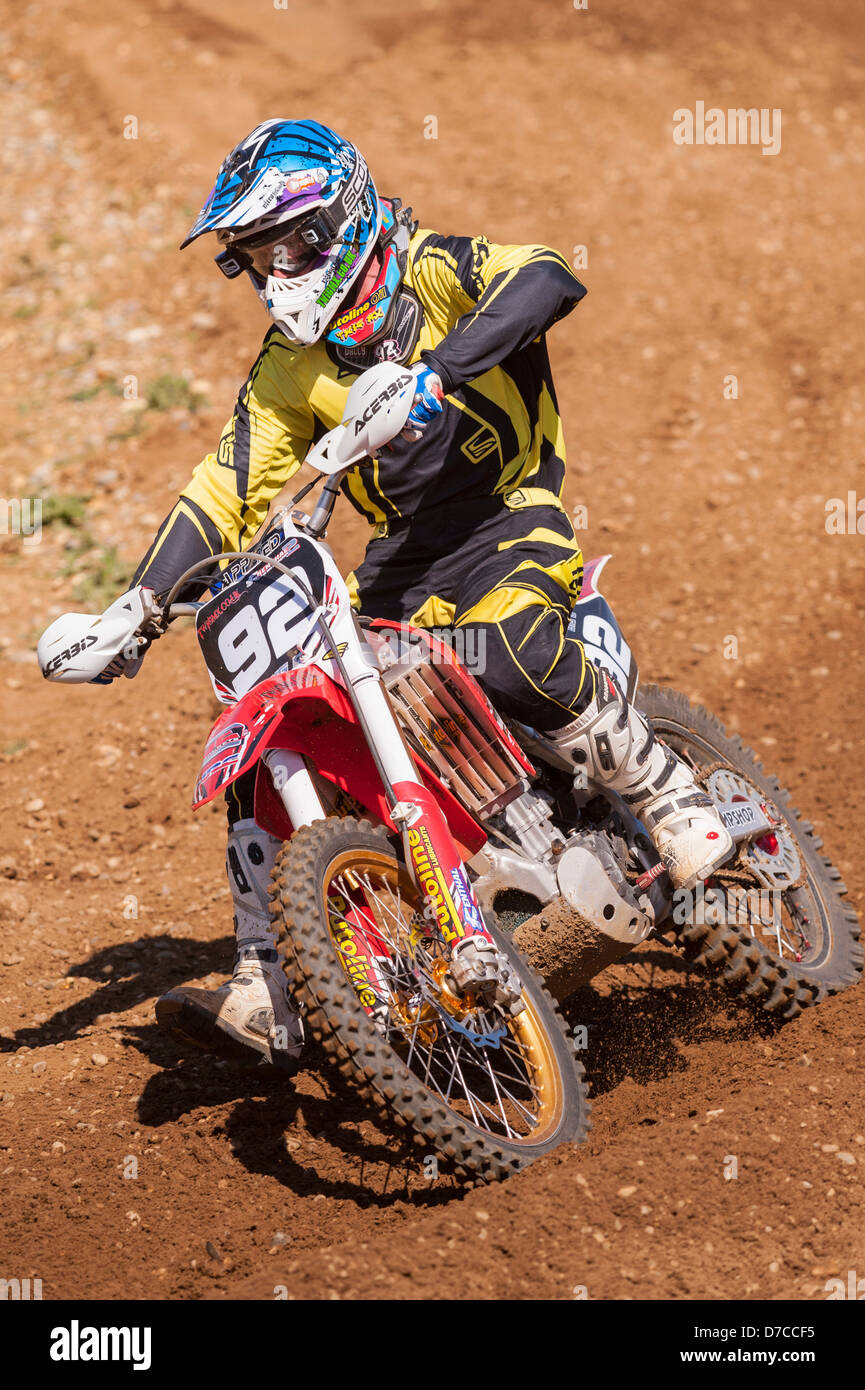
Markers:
<point>143,332</point>
<point>626,1191</point>
<point>37,804</point>
<point>84,870</point>
<point>13,903</point>
<point>41,1066</point>
<point>482,1216</point>
<point>99,1059</point>
<point>8,867</point>
<point>829,1148</point>
<point>842,1157</point>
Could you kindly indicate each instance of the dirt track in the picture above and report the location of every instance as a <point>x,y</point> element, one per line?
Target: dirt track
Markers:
<point>703,262</point>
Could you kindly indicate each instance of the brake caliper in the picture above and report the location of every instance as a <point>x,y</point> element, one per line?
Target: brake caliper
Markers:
<point>477,966</point>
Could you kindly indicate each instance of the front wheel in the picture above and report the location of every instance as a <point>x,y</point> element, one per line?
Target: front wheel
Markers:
<point>778,930</point>
<point>490,1092</point>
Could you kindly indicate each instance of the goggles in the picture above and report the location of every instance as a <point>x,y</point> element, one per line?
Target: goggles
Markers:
<point>282,251</point>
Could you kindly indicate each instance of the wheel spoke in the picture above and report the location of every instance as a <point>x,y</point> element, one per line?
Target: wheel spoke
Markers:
<point>779,871</point>
<point>495,1088</point>
<point>512,1098</point>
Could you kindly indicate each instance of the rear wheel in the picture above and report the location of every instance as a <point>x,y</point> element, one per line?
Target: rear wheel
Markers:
<point>775,926</point>
<point>490,1092</point>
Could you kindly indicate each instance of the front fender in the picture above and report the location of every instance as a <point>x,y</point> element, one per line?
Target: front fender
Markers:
<point>243,732</point>
<point>306,711</point>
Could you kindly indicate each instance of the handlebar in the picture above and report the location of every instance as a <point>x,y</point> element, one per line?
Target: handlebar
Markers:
<point>170,609</point>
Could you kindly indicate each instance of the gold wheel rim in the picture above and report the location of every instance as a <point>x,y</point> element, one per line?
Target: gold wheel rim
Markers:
<point>513,1092</point>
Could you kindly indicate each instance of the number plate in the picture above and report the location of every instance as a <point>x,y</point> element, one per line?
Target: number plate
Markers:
<point>743,819</point>
<point>593,622</point>
<point>259,622</point>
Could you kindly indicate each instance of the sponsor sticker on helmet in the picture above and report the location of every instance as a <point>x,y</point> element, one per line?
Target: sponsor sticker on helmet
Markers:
<point>299,180</point>
<point>341,273</point>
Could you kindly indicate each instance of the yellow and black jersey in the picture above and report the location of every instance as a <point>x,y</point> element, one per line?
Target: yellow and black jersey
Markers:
<point>474,312</point>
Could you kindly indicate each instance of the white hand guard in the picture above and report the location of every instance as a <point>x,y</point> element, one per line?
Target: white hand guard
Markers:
<point>80,647</point>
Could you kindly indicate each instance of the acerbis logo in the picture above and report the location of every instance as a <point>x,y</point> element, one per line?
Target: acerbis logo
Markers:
<point>377,402</point>
<point>77,1343</point>
<point>75,650</point>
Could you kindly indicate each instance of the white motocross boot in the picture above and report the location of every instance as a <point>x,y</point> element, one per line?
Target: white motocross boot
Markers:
<point>251,1013</point>
<point>617,747</point>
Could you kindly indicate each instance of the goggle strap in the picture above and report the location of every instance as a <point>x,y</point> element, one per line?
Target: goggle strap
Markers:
<point>233,263</point>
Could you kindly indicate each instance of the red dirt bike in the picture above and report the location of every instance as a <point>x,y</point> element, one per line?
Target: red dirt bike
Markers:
<point>400,975</point>
<point>414,819</point>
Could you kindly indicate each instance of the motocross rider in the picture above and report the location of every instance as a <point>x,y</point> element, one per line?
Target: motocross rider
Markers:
<point>468,527</point>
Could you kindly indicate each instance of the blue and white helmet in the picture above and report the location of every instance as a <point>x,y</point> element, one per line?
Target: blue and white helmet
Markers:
<point>295,207</point>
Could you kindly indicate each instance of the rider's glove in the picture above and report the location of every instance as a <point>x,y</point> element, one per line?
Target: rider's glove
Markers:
<point>428,402</point>
<point>124,665</point>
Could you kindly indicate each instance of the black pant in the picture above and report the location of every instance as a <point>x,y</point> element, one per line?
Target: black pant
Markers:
<point>507,572</point>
